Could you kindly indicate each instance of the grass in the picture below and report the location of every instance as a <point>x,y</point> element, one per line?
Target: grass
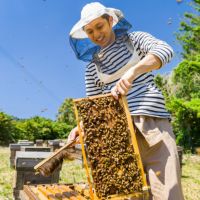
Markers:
<point>73,172</point>
<point>6,175</point>
<point>191,177</point>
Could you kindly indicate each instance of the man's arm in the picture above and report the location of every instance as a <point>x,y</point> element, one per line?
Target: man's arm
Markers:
<point>156,52</point>
<point>148,63</point>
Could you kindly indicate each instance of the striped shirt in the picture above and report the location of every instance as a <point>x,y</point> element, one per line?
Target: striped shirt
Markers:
<point>144,98</point>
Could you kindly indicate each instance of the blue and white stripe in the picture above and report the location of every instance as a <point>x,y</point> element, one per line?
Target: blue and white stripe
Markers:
<point>144,98</point>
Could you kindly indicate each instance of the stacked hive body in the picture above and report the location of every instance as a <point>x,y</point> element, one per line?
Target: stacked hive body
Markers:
<point>36,148</point>
<point>17,147</point>
<point>55,192</point>
<point>54,144</point>
<point>39,142</point>
<point>111,146</point>
<point>25,173</point>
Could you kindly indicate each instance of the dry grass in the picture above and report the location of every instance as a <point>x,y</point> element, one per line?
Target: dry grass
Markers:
<point>191,177</point>
<point>72,172</point>
<point>6,175</point>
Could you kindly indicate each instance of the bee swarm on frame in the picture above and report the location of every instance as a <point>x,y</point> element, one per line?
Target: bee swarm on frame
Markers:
<point>114,164</point>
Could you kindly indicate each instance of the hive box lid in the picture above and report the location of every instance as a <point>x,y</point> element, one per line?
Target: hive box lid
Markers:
<point>35,148</point>
<point>26,160</point>
<point>17,146</point>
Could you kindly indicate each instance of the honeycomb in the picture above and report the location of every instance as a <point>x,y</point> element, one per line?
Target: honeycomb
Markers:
<point>114,165</point>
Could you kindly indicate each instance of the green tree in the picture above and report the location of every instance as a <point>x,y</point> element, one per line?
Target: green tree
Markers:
<point>186,77</point>
<point>189,34</point>
<point>62,129</point>
<point>182,87</point>
<point>66,112</point>
<point>163,83</point>
<point>41,128</point>
<point>186,121</point>
<point>6,129</point>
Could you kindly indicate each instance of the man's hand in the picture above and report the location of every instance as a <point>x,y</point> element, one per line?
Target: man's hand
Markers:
<point>73,135</point>
<point>122,87</point>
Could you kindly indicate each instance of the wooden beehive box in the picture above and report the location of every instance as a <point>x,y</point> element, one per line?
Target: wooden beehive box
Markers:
<point>25,173</point>
<point>55,192</point>
<point>39,142</point>
<point>25,142</point>
<point>112,149</point>
<point>16,147</point>
<point>36,148</point>
<point>54,144</point>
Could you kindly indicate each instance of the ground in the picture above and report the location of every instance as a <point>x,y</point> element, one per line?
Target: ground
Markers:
<point>72,172</point>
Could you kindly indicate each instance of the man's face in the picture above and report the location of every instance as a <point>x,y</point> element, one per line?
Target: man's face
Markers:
<point>100,31</point>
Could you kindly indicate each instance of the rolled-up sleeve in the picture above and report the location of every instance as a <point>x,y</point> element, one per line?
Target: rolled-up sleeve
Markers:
<point>90,82</point>
<point>146,43</point>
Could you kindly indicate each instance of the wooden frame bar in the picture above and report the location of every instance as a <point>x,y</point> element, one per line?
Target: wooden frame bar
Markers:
<point>134,140</point>
<point>84,154</point>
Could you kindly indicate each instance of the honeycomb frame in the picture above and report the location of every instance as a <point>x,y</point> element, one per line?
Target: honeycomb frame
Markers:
<point>94,192</point>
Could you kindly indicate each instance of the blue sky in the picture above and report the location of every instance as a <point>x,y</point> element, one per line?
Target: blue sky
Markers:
<point>38,69</point>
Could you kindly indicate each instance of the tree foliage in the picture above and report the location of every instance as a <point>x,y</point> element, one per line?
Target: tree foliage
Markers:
<point>182,87</point>
<point>42,128</point>
<point>182,94</point>
<point>66,112</point>
<point>6,128</point>
<point>186,121</point>
<point>34,128</point>
<point>189,35</point>
<point>186,77</point>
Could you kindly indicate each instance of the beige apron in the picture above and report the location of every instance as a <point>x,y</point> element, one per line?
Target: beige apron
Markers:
<point>159,155</point>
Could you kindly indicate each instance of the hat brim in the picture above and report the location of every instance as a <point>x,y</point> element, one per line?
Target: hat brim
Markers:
<point>77,30</point>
